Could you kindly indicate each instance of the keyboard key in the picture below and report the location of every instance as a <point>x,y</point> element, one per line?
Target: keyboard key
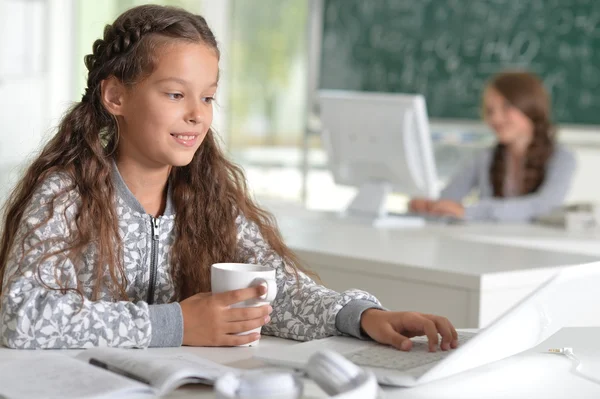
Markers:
<point>387,357</point>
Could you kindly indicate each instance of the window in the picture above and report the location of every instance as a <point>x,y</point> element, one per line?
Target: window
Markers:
<point>267,93</point>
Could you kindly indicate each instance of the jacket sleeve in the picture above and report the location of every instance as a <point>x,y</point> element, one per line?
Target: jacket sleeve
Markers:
<point>34,313</point>
<point>551,194</point>
<point>463,180</point>
<point>306,311</point>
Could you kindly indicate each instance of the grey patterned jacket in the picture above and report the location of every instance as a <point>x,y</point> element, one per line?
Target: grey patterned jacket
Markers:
<point>474,174</point>
<point>32,316</point>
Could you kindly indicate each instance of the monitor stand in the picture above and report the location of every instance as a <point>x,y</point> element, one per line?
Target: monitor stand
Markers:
<point>368,207</point>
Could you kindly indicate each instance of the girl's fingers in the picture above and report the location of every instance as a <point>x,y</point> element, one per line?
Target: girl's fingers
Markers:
<point>247,325</point>
<point>241,314</point>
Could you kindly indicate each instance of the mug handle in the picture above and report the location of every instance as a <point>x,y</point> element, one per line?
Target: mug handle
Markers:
<point>271,288</point>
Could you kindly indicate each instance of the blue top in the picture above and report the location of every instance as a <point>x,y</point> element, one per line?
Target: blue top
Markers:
<point>475,174</point>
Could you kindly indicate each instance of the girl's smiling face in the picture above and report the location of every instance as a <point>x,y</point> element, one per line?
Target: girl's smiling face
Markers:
<point>509,124</point>
<point>164,118</point>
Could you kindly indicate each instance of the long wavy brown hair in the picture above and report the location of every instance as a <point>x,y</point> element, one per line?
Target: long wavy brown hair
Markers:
<point>526,92</point>
<point>208,194</point>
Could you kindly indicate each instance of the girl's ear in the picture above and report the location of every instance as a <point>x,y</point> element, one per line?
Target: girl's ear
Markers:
<point>112,93</point>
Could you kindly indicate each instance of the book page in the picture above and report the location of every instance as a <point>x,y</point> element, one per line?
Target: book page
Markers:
<point>55,375</point>
<point>163,370</point>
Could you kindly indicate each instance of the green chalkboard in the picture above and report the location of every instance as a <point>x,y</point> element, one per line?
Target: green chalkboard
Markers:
<point>448,49</point>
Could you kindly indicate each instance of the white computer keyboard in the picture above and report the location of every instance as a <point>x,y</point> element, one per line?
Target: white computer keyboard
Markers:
<point>390,358</point>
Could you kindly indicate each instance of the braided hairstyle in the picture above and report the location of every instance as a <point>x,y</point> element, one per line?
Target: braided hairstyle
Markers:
<point>208,193</point>
<point>525,92</point>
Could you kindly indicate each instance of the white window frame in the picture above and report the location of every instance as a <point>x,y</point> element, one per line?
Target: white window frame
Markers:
<point>218,16</point>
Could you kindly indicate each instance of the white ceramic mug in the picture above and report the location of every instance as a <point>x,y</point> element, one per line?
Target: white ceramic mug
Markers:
<point>234,276</point>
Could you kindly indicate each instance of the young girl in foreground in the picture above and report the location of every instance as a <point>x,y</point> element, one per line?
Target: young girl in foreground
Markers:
<point>110,236</point>
<point>525,174</point>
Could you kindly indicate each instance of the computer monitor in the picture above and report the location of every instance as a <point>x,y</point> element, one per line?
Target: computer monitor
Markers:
<point>379,142</point>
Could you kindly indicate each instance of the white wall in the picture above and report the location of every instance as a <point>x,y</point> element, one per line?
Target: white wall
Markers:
<point>22,73</point>
<point>60,42</point>
<point>585,144</point>
<point>35,77</point>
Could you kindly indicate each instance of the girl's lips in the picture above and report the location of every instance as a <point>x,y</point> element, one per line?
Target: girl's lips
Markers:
<point>185,139</point>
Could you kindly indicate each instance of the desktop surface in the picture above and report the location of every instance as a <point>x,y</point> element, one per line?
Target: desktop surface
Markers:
<point>526,236</point>
<point>433,253</point>
<point>532,374</point>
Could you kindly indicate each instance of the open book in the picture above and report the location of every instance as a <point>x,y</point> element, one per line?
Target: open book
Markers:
<point>103,373</point>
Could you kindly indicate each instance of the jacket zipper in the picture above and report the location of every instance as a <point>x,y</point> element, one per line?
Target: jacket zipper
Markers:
<point>155,223</point>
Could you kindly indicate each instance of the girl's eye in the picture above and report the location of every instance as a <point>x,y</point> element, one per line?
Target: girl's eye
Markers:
<point>175,96</point>
<point>208,100</point>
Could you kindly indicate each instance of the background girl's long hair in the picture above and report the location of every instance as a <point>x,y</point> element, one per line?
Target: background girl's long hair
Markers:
<point>525,92</point>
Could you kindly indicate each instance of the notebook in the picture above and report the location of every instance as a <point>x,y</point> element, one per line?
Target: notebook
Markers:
<point>563,300</point>
<point>103,373</point>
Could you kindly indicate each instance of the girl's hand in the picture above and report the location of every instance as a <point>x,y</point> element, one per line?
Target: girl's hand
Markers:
<point>209,319</point>
<point>448,208</point>
<point>420,205</point>
<point>396,329</point>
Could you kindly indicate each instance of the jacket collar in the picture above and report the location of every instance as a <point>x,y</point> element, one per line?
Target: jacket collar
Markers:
<point>127,196</point>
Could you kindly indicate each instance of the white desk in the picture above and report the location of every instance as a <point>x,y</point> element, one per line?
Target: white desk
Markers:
<point>528,375</point>
<point>470,274</point>
<point>533,374</point>
<point>526,236</point>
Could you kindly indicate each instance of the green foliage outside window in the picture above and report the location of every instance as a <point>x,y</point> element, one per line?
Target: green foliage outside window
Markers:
<point>268,40</point>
